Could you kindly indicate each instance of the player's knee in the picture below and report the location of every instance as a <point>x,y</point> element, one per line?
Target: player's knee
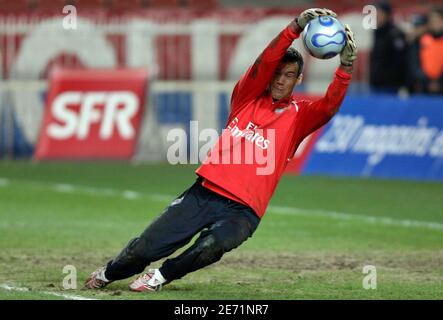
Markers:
<point>228,240</point>
<point>215,245</point>
<point>211,249</point>
<point>138,249</point>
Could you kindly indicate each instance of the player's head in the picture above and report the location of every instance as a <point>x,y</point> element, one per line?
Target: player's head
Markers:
<point>435,20</point>
<point>384,13</point>
<point>287,75</point>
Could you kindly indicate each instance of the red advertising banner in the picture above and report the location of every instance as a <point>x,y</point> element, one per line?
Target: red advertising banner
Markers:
<point>92,114</point>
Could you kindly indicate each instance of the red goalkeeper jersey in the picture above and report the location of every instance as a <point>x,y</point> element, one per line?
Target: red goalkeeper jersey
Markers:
<point>261,135</point>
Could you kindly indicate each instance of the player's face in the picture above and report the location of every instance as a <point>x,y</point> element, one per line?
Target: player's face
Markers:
<point>382,18</point>
<point>435,22</point>
<point>284,80</point>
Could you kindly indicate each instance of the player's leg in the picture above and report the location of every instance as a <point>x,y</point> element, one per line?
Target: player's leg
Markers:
<point>222,236</point>
<point>174,228</point>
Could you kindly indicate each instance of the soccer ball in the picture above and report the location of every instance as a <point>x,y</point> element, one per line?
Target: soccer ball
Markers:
<point>324,37</point>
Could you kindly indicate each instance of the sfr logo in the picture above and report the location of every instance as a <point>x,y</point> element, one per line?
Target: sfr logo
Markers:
<point>111,110</point>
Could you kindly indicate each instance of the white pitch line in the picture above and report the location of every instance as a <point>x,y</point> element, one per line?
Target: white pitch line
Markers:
<point>10,288</point>
<point>160,197</point>
<point>90,191</point>
<point>356,217</point>
<point>108,192</point>
<point>283,210</point>
<point>71,188</point>
<point>67,296</point>
<point>286,210</point>
<point>130,195</point>
<point>62,295</point>
<point>63,187</point>
<point>4,182</point>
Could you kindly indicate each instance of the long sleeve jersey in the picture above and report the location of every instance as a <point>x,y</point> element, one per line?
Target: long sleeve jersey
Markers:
<point>262,135</point>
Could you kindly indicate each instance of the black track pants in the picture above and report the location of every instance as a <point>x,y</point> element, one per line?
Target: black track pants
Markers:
<point>223,225</point>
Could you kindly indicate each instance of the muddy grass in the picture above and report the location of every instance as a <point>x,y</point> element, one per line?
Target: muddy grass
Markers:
<point>411,261</point>
<point>420,261</point>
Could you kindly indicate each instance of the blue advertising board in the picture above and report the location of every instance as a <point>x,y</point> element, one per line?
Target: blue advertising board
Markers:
<point>382,136</point>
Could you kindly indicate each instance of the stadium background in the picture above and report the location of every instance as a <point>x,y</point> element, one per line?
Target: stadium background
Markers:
<point>194,51</point>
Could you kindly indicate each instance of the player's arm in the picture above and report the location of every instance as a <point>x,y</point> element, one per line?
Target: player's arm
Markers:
<point>318,113</point>
<point>258,76</point>
<point>256,79</point>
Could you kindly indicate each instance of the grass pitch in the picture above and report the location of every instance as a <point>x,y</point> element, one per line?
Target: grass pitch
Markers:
<point>312,243</point>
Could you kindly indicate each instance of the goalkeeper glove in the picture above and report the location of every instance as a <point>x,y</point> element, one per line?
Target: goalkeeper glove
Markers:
<point>349,52</point>
<point>309,14</point>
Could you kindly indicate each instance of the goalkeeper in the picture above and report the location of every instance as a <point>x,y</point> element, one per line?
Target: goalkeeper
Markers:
<point>225,204</point>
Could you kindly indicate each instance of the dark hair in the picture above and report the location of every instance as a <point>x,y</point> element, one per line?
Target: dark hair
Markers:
<point>419,20</point>
<point>385,6</point>
<point>437,9</point>
<point>293,56</point>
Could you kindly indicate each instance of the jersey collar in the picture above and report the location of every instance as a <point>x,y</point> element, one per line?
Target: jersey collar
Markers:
<point>283,103</point>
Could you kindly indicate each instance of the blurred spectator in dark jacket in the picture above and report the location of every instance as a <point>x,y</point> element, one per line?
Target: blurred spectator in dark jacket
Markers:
<point>431,52</point>
<point>388,56</point>
<point>415,77</point>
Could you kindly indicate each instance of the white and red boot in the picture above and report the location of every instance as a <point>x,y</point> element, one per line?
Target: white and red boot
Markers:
<point>148,282</point>
<point>97,279</point>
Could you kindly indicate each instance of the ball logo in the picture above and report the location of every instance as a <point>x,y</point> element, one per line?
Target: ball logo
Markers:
<point>321,40</point>
<point>325,21</point>
<point>112,111</point>
<point>324,37</point>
